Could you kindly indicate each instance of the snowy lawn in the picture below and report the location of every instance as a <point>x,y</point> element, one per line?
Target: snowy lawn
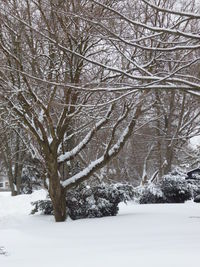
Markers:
<point>140,236</point>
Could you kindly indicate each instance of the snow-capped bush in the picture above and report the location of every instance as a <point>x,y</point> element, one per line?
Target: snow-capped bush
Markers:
<point>151,194</point>
<point>127,191</point>
<point>90,202</point>
<point>98,201</point>
<point>175,188</point>
<point>45,206</point>
<point>197,199</point>
<point>194,187</point>
<point>31,180</point>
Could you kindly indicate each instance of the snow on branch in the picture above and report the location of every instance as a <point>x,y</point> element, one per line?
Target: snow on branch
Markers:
<point>145,26</point>
<point>70,154</point>
<point>120,71</point>
<point>106,157</point>
<point>196,93</point>
<point>165,10</point>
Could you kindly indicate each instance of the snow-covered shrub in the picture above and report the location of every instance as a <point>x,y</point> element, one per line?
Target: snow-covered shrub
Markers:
<point>90,202</point>
<point>138,192</point>
<point>126,191</point>
<point>45,206</point>
<point>197,199</point>
<point>194,187</point>
<point>31,179</point>
<point>175,188</point>
<point>151,194</point>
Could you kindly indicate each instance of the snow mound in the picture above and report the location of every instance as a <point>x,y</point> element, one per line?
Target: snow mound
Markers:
<point>141,235</point>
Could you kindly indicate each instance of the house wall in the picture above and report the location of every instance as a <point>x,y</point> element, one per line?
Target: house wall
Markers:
<point>4,184</point>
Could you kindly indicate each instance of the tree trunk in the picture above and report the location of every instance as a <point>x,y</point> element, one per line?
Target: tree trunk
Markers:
<point>56,191</point>
<point>11,179</point>
<point>57,195</point>
<point>169,159</point>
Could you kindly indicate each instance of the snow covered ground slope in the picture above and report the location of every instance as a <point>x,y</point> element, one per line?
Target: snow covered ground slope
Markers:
<point>140,236</point>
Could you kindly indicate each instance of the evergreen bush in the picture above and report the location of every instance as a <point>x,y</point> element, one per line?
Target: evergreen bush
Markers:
<point>90,202</point>
<point>152,194</point>
<point>175,188</point>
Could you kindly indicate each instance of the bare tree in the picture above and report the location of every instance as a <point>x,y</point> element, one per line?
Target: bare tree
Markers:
<point>13,154</point>
<point>76,70</point>
<point>39,90</point>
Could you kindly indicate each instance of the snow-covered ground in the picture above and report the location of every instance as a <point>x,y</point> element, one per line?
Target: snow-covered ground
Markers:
<point>140,236</point>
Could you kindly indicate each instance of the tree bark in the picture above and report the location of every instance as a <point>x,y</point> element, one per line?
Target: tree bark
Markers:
<point>57,195</point>
<point>56,191</point>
